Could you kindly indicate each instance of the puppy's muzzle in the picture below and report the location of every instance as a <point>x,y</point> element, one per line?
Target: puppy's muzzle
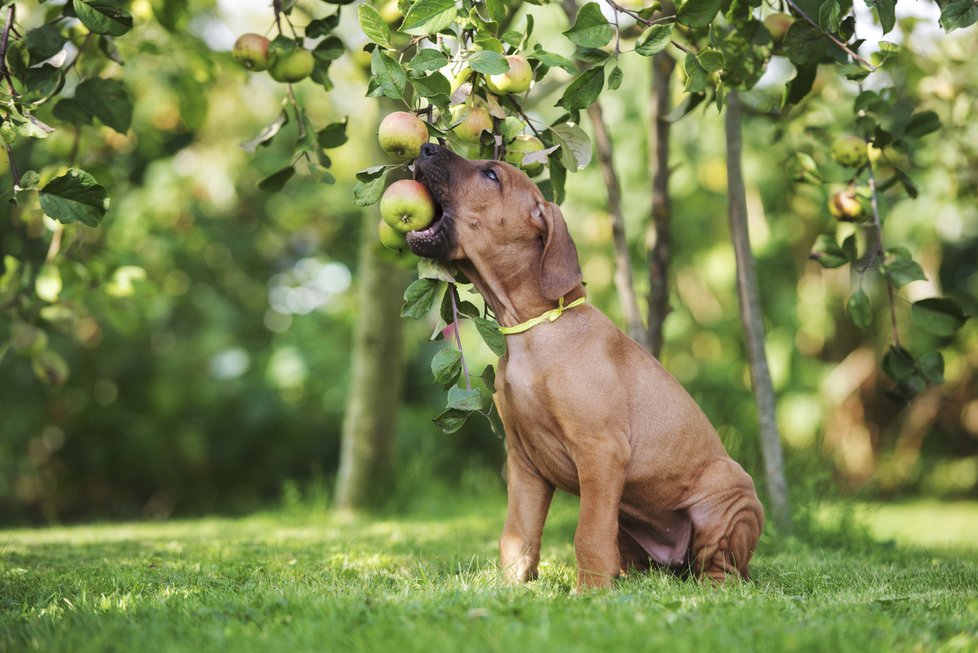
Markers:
<point>433,168</point>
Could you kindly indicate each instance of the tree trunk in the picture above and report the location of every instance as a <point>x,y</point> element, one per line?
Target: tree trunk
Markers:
<point>367,451</point>
<point>660,251</point>
<point>753,320</point>
<point>623,261</point>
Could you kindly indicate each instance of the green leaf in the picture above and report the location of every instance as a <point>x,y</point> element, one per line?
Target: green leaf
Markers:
<point>553,60</point>
<point>900,366</point>
<point>959,14</point>
<point>489,330</point>
<point>591,29</point>
<point>446,366</point>
<point>804,44</point>
<point>419,298</point>
<point>654,40</point>
<point>697,13</point>
<point>433,85</point>
<point>886,11</point>
<point>575,146</point>
<point>462,399</point>
<point>829,15</point>
<point>44,42</point>
<point>898,363</point>
<point>711,60</point>
<point>488,377</point>
<point>432,269</point>
<point>931,365</point>
<point>451,420</point>
<point>427,60</point>
<point>332,135</point>
<point>828,253</point>
<point>324,26</point>
<point>328,50</point>
<point>939,316</point>
<point>428,17</point>
<point>103,16</point>
<point>370,185</point>
<point>264,137</point>
<point>860,309</point>
<point>902,270</point>
<point>74,197</point>
<point>615,78</point>
<point>697,77</point>
<point>488,62</point>
<point>388,75</point>
<point>277,180</point>
<point>686,107</point>
<point>584,90</point>
<point>922,123</point>
<point>591,55</point>
<point>106,99</point>
<point>374,26</point>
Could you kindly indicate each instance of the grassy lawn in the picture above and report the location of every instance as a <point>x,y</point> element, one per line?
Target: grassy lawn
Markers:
<point>426,581</point>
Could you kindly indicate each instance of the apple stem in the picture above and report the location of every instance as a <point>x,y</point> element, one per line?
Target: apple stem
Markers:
<point>458,338</point>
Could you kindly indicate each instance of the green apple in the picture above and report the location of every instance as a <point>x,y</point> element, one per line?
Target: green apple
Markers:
<point>401,135</point>
<point>407,205</point>
<point>522,145</point>
<point>471,122</point>
<point>27,340</point>
<point>288,62</point>
<point>845,205</point>
<point>778,25</point>
<point>515,80</point>
<point>850,151</point>
<point>251,51</point>
<point>391,238</point>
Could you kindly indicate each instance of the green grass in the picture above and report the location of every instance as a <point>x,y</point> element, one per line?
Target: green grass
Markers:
<point>426,581</point>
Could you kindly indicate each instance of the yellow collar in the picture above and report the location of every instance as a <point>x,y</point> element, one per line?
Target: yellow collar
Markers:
<point>550,315</point>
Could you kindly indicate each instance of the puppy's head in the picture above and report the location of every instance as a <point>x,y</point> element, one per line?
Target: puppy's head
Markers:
<point>493,215</point>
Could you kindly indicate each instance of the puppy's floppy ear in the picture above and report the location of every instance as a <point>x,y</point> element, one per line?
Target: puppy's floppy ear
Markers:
<point>560,270</point>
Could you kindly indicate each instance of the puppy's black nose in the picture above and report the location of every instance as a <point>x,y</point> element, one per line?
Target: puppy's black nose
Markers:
<point>430,149</point>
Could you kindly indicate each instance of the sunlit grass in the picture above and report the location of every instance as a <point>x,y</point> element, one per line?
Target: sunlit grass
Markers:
<point>427,581</point>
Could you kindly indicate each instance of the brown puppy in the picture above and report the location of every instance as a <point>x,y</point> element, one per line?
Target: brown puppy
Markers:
<point>586,409</point>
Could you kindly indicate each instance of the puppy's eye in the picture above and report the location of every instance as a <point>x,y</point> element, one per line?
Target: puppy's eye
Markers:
<point>491,174</point>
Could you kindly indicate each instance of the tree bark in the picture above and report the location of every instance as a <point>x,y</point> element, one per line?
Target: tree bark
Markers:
<point>377,368</point>
<point>753,320</point>
<point>660,252</point>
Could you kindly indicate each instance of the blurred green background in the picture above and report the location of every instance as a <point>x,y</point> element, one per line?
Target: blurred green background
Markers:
<point>210,347</point>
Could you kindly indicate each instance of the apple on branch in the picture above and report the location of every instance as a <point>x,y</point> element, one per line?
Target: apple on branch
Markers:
<point>407,205</point>
<point>251,51</point>
<point>515,80</point>
<point>401,135</point>
<point>288,62</point>
<point>470,121</point>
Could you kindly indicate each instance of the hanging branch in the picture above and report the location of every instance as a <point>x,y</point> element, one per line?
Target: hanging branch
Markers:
<point>811,21</point>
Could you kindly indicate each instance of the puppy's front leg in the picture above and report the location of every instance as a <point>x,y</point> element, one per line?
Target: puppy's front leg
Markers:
<point>528,500</point>
<point>601,474</point>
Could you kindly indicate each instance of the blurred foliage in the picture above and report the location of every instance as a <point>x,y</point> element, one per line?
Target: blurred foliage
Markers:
<point>206,324</point>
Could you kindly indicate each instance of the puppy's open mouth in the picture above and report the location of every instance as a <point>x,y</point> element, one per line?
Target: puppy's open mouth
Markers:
<point>434,241</point>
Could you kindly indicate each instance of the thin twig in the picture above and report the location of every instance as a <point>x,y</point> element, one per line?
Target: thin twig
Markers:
<point>458,338</point>
<point>4,40</point>
<point>801,12</point>
<point>519,110</point>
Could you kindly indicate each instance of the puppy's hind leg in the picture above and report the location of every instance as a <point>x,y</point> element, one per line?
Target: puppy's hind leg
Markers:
<point>726,524</point>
